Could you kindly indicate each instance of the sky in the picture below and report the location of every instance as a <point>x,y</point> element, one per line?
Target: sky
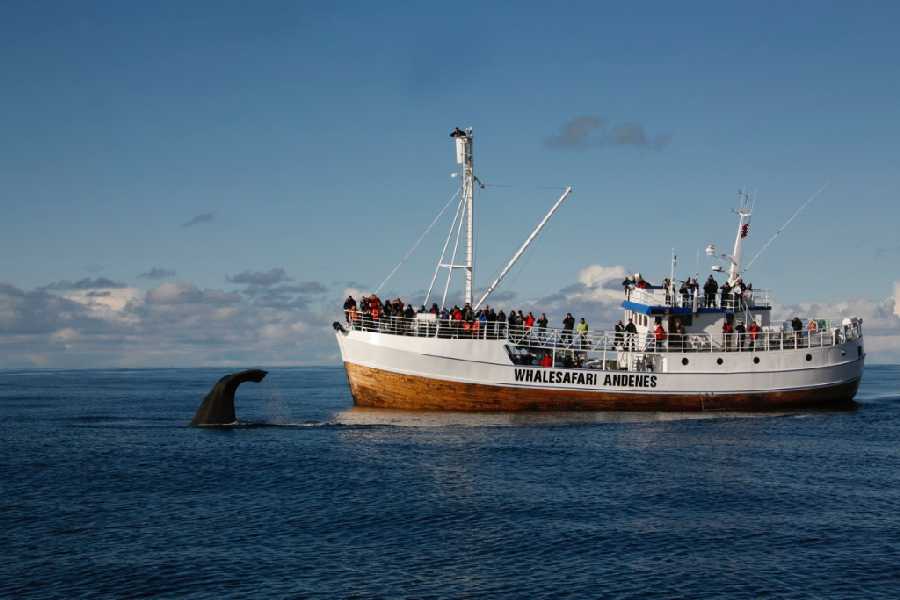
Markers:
<point>201,183</point>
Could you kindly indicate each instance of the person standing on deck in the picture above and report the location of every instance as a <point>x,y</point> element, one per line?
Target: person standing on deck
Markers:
<point>542,327</point>
<point>727,334</point>
<point>630,335</point>
<point>582,330</point>
<point>753,330</point>
<point>811,329</point>
<point>568,326</point>
<point>529,323</point>
<point>709,289</point>
<point>659,336</point>
<point>620,334</point>
<point>678,337</point>
<point>741,333</point>
<point>685,291</point>
<point>348,304</point>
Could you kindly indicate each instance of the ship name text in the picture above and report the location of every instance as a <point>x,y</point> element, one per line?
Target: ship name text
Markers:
<point>586,379</point>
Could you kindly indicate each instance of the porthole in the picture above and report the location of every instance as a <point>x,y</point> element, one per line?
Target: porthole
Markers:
<point>719,361</point>
<point>808,357</point>
<point>685,361</point>
<point>755,360</point>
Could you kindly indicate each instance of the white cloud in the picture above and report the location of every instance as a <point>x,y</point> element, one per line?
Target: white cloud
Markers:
<point>897,298</point>
<point>173,324</point>
<point>181,324</point>
<point>597,275</point>
<point>106,303</point>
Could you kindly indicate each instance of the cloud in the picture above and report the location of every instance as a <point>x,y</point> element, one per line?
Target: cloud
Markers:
<point>897,298</point>
<point>199,219</point>
<point>157,273</point>
<point>881,321</point>
<point>633,134</point>
<point>576,133</point>
<point>173,324</point>
<point>179,292</point>
<point>307,287</point>
<point>589,131</point>
<point>179,323</point>
<point>85,284</point>
<point>259,278</point>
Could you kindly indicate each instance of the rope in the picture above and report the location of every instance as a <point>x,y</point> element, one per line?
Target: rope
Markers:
<point>418,241</point>
<point>783,227</point>
<point>437,267</point>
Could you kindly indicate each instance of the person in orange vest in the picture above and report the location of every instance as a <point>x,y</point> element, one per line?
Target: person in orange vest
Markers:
<point>660,334</point>
<point>727,334</point>
<point>811,328</point>
<point>467,328</point>
<point>753,330</point>
<point>476,327</point>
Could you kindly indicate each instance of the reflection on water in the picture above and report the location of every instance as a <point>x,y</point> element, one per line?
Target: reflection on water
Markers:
<point>358,416</point>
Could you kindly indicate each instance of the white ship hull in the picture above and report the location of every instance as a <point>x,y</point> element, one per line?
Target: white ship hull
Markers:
<point>394,371</point>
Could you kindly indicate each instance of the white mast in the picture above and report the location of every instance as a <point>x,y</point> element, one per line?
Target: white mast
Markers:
<point>524,247</point>
<point>467,192</point>
<point>744,211</point>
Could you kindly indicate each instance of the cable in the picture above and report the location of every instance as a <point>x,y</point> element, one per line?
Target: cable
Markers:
<point>783,227</point>
<point>418,241</point>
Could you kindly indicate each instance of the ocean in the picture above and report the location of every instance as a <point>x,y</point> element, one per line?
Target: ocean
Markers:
<point>106,492</point>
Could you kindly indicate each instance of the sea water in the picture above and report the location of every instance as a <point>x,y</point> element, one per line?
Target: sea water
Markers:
<point>106,491</point>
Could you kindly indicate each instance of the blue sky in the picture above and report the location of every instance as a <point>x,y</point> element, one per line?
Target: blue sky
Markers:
<point>314,140</point>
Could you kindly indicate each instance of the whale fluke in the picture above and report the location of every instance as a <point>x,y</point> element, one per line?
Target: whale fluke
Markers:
<point>218,405</point>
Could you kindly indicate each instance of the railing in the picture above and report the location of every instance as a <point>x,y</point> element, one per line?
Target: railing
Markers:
<point>658,296</point>
<point>589,344</point>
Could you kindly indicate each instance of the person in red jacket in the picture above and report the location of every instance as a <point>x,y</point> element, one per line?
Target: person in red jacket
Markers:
<point>660,334</point>
<point>546,360</point>
<point>529,322</point>
<point>727,334</point>
<point>753,330</point>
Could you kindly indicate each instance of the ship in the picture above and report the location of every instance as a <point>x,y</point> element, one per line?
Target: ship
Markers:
<point>682,350</point>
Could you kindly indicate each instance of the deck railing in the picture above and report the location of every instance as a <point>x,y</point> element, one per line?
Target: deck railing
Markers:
<point>658,296</point>
<point>536,340</point>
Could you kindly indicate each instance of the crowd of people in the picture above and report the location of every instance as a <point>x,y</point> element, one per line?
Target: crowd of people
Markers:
<point>527,330</point>
<point>396,316</point>
<point>737,297</point>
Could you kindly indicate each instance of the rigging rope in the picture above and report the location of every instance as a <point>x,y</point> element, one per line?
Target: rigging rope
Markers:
<point>440,261</point>
<point>418,241</point>
<point>783,227</point>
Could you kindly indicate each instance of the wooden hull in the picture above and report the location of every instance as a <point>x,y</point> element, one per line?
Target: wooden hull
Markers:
<point>377,388</point>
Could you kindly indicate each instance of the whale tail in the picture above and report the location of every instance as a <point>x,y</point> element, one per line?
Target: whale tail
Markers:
<point>218,405</point>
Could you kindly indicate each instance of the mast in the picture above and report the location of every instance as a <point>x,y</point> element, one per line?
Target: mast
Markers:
<point>467,192</point>
<point>744,211</point>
